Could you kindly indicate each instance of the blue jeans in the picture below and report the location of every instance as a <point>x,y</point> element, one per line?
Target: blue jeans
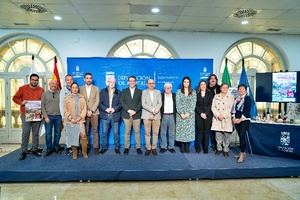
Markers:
<point>55,120</point>
<point>167,125</point>
<point>106,124</point>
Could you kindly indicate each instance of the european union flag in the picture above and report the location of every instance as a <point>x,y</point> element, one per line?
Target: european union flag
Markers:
<point>244,80</point>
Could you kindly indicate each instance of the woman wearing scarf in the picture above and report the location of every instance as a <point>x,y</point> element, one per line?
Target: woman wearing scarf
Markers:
<point>241,118</point>
<point>74,115</point>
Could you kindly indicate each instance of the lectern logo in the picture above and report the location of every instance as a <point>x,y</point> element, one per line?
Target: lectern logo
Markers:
<point>285,138</point>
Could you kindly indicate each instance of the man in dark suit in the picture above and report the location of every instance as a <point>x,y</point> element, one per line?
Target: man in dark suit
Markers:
<point>131,101</point>
<point>110,114</point>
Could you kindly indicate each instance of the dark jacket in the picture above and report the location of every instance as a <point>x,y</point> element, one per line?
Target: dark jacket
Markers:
<point>203,105</point>
<point>214,90</point>
<point>246,110</point>
<point>104,104</point>
<point>163,103</point>
<point>129,103</point>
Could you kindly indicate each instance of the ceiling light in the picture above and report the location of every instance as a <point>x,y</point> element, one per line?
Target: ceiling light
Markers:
<point>244,22</point>
<point>155,10</point>
<point>57,18</point>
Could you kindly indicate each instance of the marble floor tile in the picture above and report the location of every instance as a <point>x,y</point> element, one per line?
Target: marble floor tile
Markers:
<point>256,189</point>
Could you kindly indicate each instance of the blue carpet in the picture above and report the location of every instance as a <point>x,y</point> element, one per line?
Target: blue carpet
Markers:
<point>167,166</point>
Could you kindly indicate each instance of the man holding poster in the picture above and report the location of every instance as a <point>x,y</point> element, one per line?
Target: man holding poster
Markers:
<point>27,94</point>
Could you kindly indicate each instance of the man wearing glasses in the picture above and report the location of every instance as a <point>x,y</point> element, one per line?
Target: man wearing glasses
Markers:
<point>29,92</point>
<point>168,112</point>
<point>151,103</point>
<point>51,114</point>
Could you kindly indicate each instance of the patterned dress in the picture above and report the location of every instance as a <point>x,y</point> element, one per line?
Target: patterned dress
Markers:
<point>185,128</point>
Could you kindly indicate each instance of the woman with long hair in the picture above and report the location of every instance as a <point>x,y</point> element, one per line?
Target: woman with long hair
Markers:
<point>185,120</point>
<point>203,116</point>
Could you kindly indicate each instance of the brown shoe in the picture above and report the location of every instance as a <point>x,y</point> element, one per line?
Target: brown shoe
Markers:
<point>148,152</point>
<point>154,152</point>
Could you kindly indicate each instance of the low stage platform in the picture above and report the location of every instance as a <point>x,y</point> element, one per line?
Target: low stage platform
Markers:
<point>167,166</point>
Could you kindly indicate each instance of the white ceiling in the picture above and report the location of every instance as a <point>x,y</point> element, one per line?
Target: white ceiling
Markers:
<point>175,15</point>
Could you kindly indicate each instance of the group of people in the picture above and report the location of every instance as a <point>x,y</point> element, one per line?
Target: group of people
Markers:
<point>184,116</point>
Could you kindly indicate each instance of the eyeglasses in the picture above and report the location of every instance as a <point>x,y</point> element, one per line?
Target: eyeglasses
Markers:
<point>151,83</point>
<point>34,79</point>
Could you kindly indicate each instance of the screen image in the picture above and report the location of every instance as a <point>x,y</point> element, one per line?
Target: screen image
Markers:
<point>264,87</point>
<point>284,87</point>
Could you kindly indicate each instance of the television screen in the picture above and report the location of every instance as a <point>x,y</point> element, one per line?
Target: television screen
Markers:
<point>284,87</point>
<point>263,87</point>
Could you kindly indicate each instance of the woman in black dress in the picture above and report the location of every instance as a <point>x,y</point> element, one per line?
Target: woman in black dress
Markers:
<point>203,117</point>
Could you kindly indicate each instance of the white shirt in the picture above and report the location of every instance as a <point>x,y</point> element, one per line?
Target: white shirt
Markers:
<point>202,93</point>
<point>151,95</point>
<point>110,96</point>
<point>168,104</point>
<point>132,92</point>
<point>88,90</point>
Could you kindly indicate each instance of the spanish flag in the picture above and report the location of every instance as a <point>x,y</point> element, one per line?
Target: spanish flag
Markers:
<point>55,75</point>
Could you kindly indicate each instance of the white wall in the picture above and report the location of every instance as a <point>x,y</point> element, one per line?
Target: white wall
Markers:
<point>86,43</point>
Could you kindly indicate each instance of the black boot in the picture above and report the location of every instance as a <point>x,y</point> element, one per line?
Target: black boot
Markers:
<point>187,147</point>
<point>182,147</point>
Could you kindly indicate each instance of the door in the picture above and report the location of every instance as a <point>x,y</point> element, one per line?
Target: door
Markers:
<point>10,121</point>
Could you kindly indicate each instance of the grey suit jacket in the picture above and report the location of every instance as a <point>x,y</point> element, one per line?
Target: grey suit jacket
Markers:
<point>93,100</point>
<point>148,105</point>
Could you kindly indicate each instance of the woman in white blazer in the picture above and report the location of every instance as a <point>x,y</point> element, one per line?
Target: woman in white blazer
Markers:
<point>222,123</point>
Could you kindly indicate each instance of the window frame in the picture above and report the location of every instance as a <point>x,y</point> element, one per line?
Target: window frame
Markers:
<point>143,53</point>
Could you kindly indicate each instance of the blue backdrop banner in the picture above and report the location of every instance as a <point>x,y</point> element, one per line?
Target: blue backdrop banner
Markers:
<point>161,70</point>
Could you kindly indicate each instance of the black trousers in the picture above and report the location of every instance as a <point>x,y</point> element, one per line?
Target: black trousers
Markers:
<point>242,128</point>
<point>201,141</point>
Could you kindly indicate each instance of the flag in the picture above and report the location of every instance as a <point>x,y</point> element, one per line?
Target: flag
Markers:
<point>244,80</point>
<point>226,76</point>
<point>55,75</point>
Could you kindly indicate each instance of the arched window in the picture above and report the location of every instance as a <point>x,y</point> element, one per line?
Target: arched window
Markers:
<point>16,64</point>
<point>142,46</point>
<point>260,56</point>
<point>16,55</point>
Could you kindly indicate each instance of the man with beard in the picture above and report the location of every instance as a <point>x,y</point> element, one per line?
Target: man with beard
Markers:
<point>214,88</point>
<point>91,95</point>
<point>29,92</point>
